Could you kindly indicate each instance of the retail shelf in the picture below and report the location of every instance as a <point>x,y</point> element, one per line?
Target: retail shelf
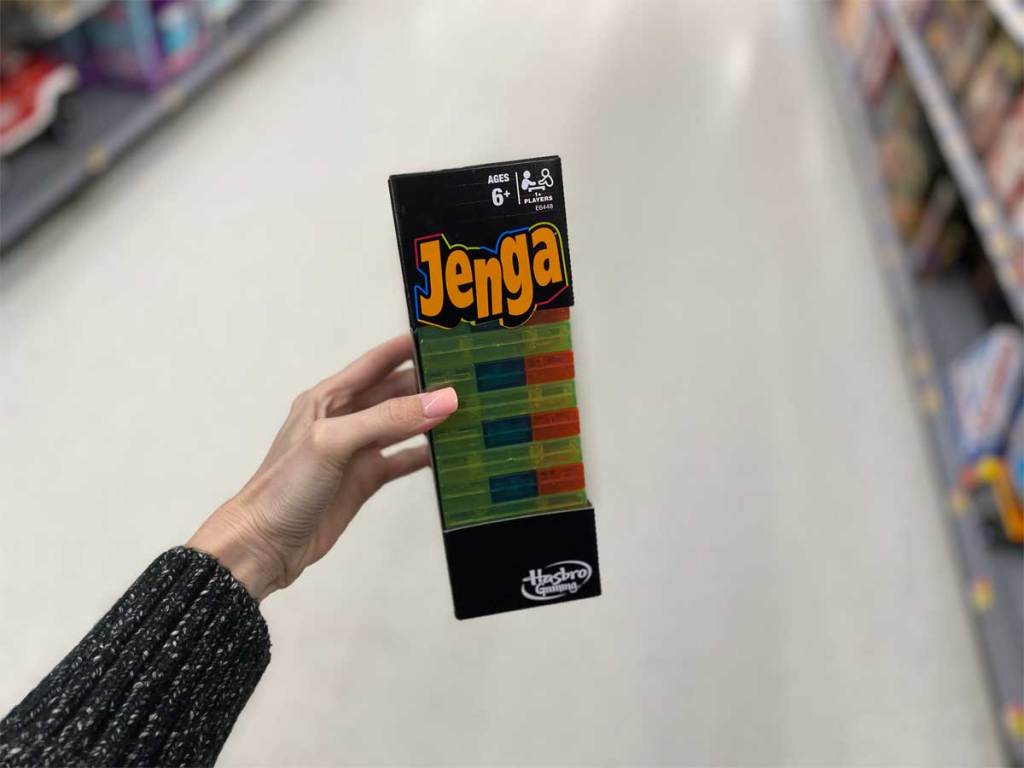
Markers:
<point>939,319</point>
<point>997,236</point>
<point>38,23</point>
<point>109,120</point>
<point>1011,15</point>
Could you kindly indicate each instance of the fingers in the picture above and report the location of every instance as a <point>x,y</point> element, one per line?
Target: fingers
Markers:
<point>371,469</point>
<point>388,422</point>
<point>336,394</point>
<point>372,366</point>
<point>395,384</point>
<point>397,419</point>
<point>404,462</point>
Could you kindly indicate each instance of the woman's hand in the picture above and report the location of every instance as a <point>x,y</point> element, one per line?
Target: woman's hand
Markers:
<point>324,463</point>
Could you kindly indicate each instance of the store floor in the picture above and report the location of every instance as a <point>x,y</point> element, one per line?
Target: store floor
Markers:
<point>779,586</point>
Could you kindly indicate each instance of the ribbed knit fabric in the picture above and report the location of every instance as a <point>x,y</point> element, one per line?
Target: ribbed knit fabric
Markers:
<point>159,680</point>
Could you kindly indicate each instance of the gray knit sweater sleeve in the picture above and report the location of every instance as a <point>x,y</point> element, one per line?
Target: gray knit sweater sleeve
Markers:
<point>159,680</point>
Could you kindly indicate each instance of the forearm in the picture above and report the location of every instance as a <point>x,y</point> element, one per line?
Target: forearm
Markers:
<point>159,680</point>
<point>162,677</point>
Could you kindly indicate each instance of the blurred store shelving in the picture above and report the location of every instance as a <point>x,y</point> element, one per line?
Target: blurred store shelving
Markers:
<point>932,94</point>
<point>85,80</point>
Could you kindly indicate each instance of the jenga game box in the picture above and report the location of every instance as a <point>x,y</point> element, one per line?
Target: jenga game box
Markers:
<point>488,287</point>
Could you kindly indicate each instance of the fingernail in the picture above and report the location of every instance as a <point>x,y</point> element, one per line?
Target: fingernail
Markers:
<point>440,403</point>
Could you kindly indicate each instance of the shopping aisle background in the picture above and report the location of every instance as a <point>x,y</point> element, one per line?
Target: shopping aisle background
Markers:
<point>778,583</point>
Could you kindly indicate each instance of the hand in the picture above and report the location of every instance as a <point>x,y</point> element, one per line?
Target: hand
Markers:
<point>323,465</point>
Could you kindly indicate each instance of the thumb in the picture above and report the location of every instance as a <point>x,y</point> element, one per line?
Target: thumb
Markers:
<point>388,422</point>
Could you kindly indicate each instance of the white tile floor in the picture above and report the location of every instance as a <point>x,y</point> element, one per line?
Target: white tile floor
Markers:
<point>779,587</point>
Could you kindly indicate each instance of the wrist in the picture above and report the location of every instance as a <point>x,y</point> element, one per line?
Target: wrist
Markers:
<point>225,537</point>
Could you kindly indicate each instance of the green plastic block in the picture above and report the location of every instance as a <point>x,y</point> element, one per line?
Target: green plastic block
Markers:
<point>502,403</point>
<point>469,510</point>
<point>456,473</point>
<point>443,355</point>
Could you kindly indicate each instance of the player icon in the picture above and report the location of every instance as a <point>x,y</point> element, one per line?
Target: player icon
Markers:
<point>529,185</point>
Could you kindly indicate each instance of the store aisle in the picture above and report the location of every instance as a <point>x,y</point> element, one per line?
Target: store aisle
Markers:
<point>778,584</point>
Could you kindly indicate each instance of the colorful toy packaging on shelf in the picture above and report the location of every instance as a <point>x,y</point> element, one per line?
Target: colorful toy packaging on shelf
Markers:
<point>942,230</point>
<point>1005,161</point>
<point>998,499</point>
<point>54,49</point>
<point>852,22</point>
<point>991,90</point>
<point>988,399</point>
<point>32,89</point>
<point>876,60</point>
<point>144,43</point>
<point>986,381</point>
<point>908,158</point>
<point>956,34</point>
<point>1005,166</point>
<point>997,483</point>
<point>31,22</point>
<point>1015,470</point>
<point>972,53</point>
<point>488,286</point>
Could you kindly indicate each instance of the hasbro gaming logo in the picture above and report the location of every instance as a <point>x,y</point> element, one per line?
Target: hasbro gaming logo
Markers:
<point>566,577</point>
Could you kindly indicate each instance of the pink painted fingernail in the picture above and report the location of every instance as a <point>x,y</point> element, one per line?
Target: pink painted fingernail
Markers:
<point>443,402</point>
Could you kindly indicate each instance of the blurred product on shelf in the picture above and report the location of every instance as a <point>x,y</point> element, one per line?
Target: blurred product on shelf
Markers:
<point>991,90</point>
<point>942,231</point>
<point>1017,221</point>
<point>931,212</point>
<point>1015,454</point>
<point>998,485</point>
<point>1005,167</point>
<point>180,33</point>
<point>997,499</point>
<point>907,155</point>
<point>139,43</point>
<point>946,115</point>
<point>917,11</point>
<point>986,284</point>
<point>1005,161</point>
<point>851,21</point>
<point>33,88</point>
<point>137,63</point>
<point>134,42</point>
<point>986,382</point>
<point>897,108</point>
<point>36,21</point>
<point>956,34</point>
<point>217,12</point>
<point>877,59</point>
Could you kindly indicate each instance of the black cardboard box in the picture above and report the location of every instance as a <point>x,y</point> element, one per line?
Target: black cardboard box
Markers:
<point>489,244</point>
